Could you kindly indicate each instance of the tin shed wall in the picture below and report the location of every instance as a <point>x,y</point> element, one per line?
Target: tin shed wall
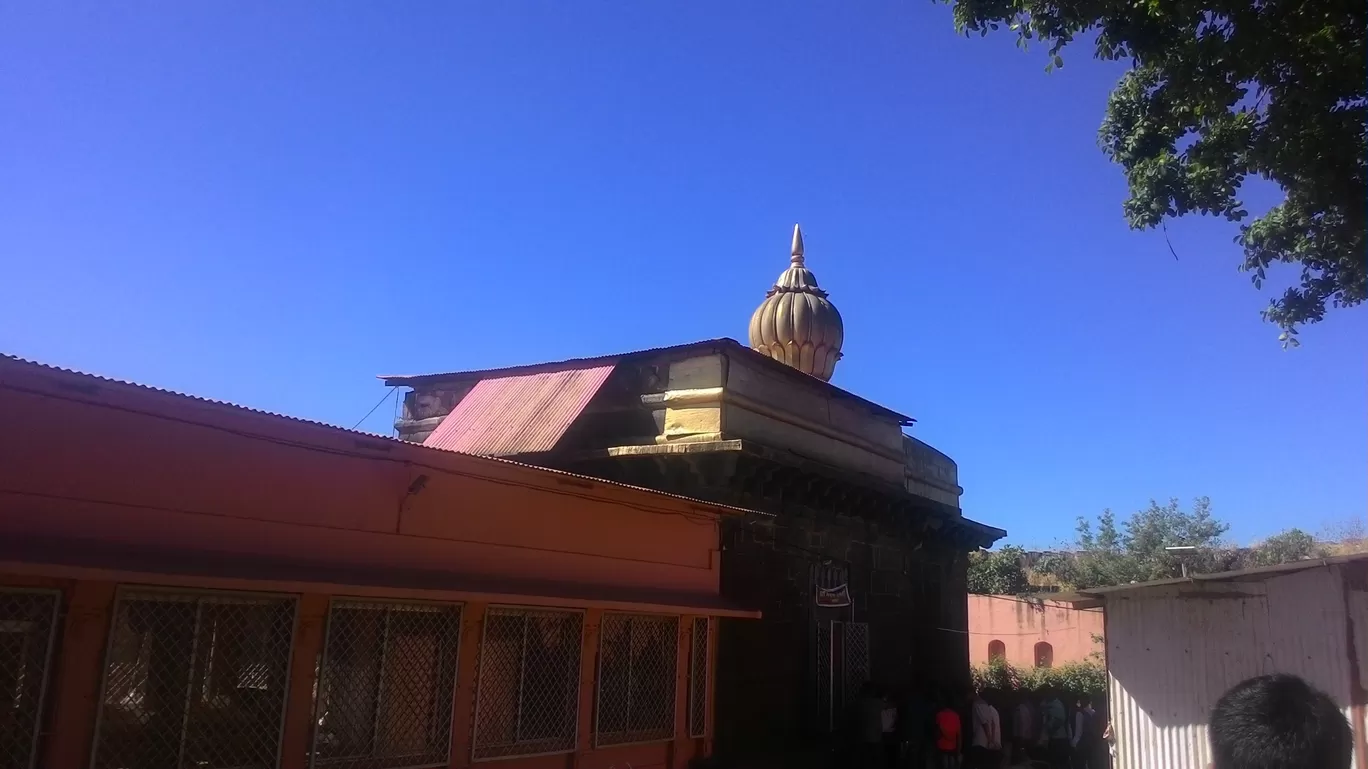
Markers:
<point>1172,652</point>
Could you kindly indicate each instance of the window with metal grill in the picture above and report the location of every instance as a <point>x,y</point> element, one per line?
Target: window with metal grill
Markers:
<point>385,685</point>
<point>698,678</point>
<point>636,678</point>
<point>194,680</point>
<point>527,693</point>
<point>27,626</point>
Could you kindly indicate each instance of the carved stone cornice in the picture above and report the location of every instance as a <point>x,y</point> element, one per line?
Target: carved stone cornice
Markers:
<point>745,474</point>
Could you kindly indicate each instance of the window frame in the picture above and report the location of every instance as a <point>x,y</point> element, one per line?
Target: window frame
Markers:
<point>479,679</point>
<point>123,592</point>
<point>40,702</point>
<point>703,708</point>
<point>673,670</point>
<point>999,646</point>
<point>379,762</point>
<point>1048,648</point>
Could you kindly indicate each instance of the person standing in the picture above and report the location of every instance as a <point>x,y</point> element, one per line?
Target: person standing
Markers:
<point>869,728</point>
<point>1085,740</point>
<point>1055,724</point>
<point>949,739</point>
<point>985,748</point>
<point>1025,729</point>
<point>916,728</point>
<point>889,722</point>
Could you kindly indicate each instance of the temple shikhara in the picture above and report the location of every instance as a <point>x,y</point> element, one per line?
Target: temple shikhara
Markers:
<point>855,546</point>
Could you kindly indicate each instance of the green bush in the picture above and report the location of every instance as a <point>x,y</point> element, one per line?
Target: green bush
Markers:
<point>1072,678</point>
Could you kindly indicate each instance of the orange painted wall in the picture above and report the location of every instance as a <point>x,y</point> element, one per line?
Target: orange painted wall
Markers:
<point>135,470</point>
<point>83,460</point>
<point>1021,624</point>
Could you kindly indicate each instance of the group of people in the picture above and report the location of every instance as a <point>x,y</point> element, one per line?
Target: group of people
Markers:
<point>916,732</point>
<point>1266,722</point>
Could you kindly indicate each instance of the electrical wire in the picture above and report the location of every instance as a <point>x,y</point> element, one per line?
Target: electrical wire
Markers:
<point>392,391</point>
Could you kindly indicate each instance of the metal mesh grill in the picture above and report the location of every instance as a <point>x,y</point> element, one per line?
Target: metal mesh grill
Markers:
<point>636,680</point>
<point>194,681</point>
<point>825,711</point>
<point>385,685</point>
<point>527,698</point>
<point>698,678</point>
<point>856,658</point>
<point>27,622</point>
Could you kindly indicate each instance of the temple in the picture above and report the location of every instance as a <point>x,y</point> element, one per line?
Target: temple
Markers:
<point>855,551</point>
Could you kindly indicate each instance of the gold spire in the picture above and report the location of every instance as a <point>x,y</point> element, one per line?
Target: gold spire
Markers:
<point>797,324</point>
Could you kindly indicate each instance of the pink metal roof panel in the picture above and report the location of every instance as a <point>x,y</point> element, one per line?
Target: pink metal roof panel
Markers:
<point>523,414</point>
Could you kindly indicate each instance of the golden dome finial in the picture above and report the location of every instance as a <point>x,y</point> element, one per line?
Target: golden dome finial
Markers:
<point>797,324</point>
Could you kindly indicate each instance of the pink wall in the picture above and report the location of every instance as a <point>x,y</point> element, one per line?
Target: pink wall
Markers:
<point>1021,624</point>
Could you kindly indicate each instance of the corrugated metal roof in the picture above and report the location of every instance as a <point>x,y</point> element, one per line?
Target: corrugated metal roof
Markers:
<point>1240,575</point>
<point>7,358</point>
<point>1169,659</point>
<point>86,381</point>
<point>524,414</point>
<point>723,344</point>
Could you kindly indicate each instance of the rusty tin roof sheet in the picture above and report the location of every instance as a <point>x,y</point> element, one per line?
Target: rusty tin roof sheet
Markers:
<point>523,414</point>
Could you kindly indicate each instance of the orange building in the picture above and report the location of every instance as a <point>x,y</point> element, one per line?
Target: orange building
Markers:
<point>186,583</point>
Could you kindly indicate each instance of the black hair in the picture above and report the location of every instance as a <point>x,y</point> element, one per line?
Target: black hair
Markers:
<point>1085,699</point>
<point>1278,722</point>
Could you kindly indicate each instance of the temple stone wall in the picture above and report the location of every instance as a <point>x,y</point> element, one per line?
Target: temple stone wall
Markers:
<point>717,396</point>
<point>424,408</point>
<point>768,677</point>
<point>929,473</point>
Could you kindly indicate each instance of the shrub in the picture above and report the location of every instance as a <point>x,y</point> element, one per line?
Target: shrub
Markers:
<point>1072,678</point>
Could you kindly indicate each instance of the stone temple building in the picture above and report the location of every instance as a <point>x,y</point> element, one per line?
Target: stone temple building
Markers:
<point>856,551</point>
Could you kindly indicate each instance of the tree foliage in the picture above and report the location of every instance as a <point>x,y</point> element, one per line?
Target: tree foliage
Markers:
<point>1222,90</point>
<point>1104,553</point>
<point>1291,545</point>
<point>998,572</point>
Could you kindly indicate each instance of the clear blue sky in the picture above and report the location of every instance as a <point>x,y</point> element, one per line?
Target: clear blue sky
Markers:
<point>271,203</point>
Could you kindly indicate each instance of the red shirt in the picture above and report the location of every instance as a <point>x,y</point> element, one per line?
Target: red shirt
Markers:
<point>948,721</point>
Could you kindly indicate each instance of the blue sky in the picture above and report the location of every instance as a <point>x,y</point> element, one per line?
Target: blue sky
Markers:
<point>271,203</point>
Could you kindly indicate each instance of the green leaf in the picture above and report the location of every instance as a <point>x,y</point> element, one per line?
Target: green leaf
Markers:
<point>1266,90</point>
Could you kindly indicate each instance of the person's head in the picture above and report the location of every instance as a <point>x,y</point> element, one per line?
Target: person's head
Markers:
<point>1278,722</point>
<point>1085,702</point>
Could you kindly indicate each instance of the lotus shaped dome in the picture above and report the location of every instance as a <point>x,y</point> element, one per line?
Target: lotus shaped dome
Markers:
<point>797,324</point>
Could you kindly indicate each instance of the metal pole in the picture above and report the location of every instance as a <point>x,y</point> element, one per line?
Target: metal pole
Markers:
<point>190,679</point>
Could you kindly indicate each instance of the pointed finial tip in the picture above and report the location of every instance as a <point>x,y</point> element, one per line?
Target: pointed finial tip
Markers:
<point>797,241</point>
